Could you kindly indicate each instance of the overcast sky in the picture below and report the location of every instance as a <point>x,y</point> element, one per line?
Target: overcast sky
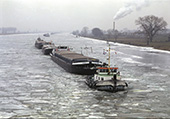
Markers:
<point>69,15</point>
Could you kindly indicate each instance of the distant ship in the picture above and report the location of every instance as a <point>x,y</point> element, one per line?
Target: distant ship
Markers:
<point>74,62</point>
<point>46,35</point>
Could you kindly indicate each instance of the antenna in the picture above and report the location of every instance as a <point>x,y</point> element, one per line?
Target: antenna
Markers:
<point>109,59</point>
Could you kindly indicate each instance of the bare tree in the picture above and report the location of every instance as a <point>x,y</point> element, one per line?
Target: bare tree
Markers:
<point>150,25</point>
<point>76,32</point>
<point>84,31</point>
<point>97,33</point>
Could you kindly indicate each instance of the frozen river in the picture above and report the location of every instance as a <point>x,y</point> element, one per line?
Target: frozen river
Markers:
<point>33,86</point>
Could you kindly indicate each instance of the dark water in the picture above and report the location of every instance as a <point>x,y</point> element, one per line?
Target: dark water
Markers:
<point>33,86</point>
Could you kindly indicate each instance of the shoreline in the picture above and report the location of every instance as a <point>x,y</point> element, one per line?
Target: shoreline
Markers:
<point>4,34</point>
<point>158,46</point>
<point>163,45</point>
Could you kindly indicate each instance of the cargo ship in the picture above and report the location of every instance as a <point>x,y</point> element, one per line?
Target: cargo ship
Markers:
<point>75,63</point>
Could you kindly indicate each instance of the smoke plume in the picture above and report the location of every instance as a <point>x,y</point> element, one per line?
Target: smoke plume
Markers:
<point>129,7</point>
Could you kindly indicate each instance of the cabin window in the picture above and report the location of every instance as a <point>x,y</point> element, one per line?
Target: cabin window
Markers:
<point>98,78</point>
<point>62,47</point>
<point>102,78</point>
<point>103,70</point>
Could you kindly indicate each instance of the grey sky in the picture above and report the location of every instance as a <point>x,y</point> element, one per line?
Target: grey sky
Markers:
<point>69,15</point>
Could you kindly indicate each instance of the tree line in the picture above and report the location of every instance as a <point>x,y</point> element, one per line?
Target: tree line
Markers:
<point>5,30</point>
<point>149,27</point>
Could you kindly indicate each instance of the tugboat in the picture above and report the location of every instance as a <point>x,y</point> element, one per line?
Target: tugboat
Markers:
<point>107,79</point>
<point>39,43</point>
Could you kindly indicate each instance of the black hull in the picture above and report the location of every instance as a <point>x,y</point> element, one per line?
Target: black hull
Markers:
<point>73,69</point>
<point>47,51</point>
<point>108,88</point>
<point>39,45</point>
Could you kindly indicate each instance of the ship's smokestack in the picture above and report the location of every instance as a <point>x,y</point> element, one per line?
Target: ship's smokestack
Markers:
<point>114,30</point>
<point>114,26</point>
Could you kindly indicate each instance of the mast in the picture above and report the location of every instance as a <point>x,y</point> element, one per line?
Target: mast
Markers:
<point>109,59</point>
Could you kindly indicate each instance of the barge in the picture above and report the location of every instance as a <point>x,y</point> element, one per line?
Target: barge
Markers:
<point>75,63</point>
<point>39,43</point>
<point>47,49</point>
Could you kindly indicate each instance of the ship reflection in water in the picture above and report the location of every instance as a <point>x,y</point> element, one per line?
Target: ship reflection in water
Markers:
<point>33,86</point>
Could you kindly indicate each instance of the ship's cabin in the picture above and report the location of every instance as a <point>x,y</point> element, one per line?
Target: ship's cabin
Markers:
<point>61,48</point>
<point>106,73</point>
<point>48,46</point>
<point>108,70</point>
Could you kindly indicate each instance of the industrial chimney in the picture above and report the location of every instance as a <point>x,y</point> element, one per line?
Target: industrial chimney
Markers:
<point>113,25</point>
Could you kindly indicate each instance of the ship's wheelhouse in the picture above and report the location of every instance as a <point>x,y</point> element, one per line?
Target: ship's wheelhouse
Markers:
<point>106,73</point>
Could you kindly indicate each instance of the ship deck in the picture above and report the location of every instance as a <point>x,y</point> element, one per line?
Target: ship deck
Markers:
<point>74,56</point>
